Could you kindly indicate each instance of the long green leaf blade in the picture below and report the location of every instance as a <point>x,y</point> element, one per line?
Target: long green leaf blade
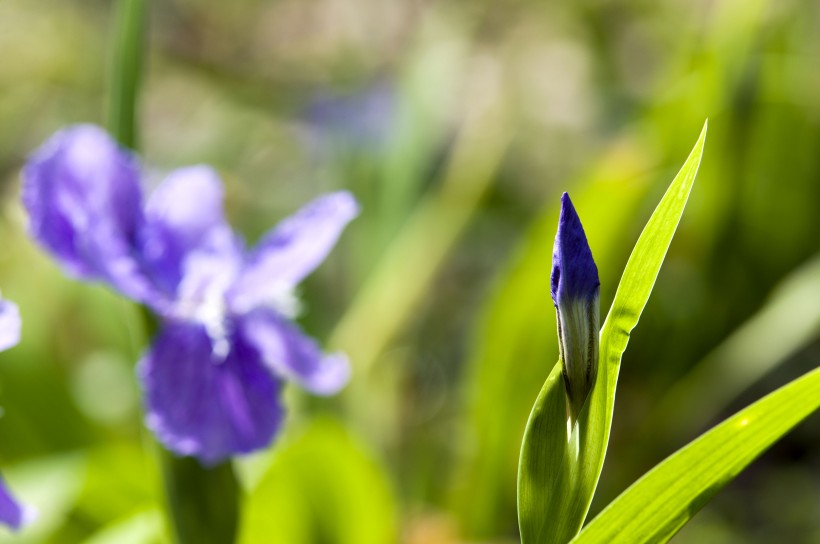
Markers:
<point>659,504</point>
<point>558,475</point>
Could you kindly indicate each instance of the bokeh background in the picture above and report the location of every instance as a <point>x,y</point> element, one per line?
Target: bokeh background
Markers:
<point>457,124</point>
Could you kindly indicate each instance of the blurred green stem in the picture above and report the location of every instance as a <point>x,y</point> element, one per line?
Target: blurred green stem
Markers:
<point>202,502</point>
<point>126,69</point>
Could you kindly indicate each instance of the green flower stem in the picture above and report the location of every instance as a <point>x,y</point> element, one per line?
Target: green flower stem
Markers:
<point>126,70</point>
<point>202,502</point>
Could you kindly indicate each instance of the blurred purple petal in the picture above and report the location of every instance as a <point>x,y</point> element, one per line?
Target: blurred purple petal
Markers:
<point>363,119</point>
<point>183,215</point>
<point>293,250</point>
<point>291,354</point>
<point>203,406</point>
<point>83,197</point>
<point>12,513</point>
<point>9,324</point>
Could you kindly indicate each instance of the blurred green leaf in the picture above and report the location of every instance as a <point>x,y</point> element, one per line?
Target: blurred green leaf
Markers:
<point>421,121</point>
<point>321,487</point>
<point>430,232</point>
<point>559,470</point>
<point>660,503</point>
<point>403,276</point>
<point>787,322</point>
<point>139,528</point>
<point>137,479</point>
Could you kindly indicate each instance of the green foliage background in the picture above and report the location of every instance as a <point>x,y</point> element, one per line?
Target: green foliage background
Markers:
<point>478,117</point>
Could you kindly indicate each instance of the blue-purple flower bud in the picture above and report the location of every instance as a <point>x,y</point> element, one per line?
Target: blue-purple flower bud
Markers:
<point>575,292</point>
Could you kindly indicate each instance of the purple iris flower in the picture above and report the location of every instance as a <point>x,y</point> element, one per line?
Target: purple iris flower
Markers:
<point>12,513</point>
<point>575,289</point>
<point>212,376</point>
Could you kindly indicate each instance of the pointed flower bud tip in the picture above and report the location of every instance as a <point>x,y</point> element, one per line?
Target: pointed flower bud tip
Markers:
<point>574,274</point>
<point>575,288</point>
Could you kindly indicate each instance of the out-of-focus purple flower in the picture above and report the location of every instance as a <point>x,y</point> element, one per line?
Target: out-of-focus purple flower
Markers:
<point>12,513</point>
<point>363,119</point>
<point>575,289</point>
<point>213,374</point>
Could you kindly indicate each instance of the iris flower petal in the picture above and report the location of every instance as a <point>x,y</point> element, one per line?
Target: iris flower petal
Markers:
<point>12,513</point>
<point>183,215</point>
<point>200,405</point>
<point>9,324</point>
<point>83,197</point>
<point>293,250</point>
<point>289,353</point>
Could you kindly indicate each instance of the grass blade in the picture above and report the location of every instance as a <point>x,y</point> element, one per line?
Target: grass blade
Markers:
<point>661,502</point>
